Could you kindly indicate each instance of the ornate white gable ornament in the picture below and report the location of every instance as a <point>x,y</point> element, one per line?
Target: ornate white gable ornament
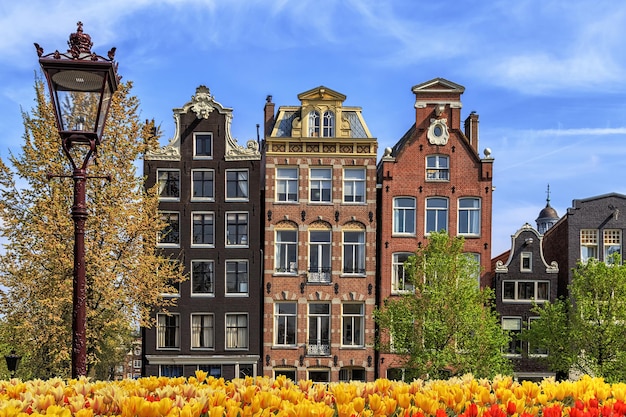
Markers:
<point>202,102</point>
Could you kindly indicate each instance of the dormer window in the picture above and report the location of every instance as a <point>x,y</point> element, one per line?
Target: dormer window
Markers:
<point>327,124</point>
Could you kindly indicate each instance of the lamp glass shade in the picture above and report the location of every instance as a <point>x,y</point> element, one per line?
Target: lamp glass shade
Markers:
<point>81,92</point>
<point>12,361</point>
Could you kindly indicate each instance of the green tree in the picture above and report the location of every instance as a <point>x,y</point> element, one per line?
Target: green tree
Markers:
<point>36,268</point>
<point>447,326</point>
<point>585,332</point>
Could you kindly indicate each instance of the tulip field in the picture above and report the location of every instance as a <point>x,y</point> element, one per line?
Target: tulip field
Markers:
<point>203,396</point>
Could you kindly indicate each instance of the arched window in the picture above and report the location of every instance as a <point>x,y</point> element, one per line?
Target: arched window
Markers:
<point>314,124</point>
<point>329,124</point>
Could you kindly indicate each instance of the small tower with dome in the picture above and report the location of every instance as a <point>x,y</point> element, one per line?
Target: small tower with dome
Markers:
<point>547,216</point>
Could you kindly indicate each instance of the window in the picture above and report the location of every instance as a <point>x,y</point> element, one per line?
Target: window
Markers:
<point>203,145</point>
<point>168,331</point>
<point>169,183</point>
<point>170,234</point>
<point>202,331</point>
<point>237,184</point>
<point>203,229</point>
<point>612,242</point>
<point>137,363</point>
<point>172,285</point>
<point>535,350</point>
<point>236,331</point>
<point>354,185</point>
<point>319,329</point>
<point>237,229</point>
<point>285,323</point>
<point>290,373</point>
<point>399,281</point>
<point>321,183</point>
<point>469,216</point>
<point>287,184</point>
<point>514,326</point>
<point>437,168</point>
<point>354,253</point>
<point>328,124</point>
<point>286,251</point>
<point>171,371</point>
<point>314,124</point>
<point>352,374</point>
<point>212,370</point>
<point>588,244</point>
<point>404,215</point>
<point>202,184</point>
<point>353,325</point>
<point>319,256</point>
<point>526,262</point>
<point>436,214</point>
<point>525,291</point>
<point>319,375</point>
<point>475,259</point>
<point>237,277</point>
<point>202,278</point>
<point>246,370</point>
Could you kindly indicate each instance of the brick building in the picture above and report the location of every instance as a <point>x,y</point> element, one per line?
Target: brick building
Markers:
<point>522,279</point>
<point>320,240</point>
<point>592,228</point>
<point>433,179</point>
<point>210,197</point>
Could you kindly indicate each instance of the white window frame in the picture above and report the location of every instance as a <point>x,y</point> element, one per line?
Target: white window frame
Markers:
<point>328,124</point>
<point>321,183</point>
<point>400,285</point>
<point>611,243</point>
<point>516,297</point>
<point>202,334</point>
<point>471,215</point>
<point>320,255</point>
<point>435,170</point>
<point>238,184</point>
<point>237,336</point>
<point>286,179</point>
<point>194,214</point>
<point>211,291</point>
<point>353,326</point>
<point>404,216</point>
<point>163,327</point>
<point>509,326</point>
<point>318,344</point>
<point>529,347</point>
<point>314,124</point>
<point>193,185</point>
<point>433,210</point>
<point>289,260</point>
<point>196,136</point>
<point>167,183</point>
<point>588,244</point>
<point>356,250</point>
<point>354,189</point>
<point>285,319</point>
<point>166,216</point>
<point>244,237</point>
<point>243,287</point>
<point>526,256</point>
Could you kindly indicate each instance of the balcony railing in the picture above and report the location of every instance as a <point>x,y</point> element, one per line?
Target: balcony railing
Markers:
<point>319,275</point>
<point>318,350</point>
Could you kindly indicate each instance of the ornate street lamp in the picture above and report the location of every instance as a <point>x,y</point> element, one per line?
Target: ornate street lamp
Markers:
<point>81,86</point>
<point>12,361</point>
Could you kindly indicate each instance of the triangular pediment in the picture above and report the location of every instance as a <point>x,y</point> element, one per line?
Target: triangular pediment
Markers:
<point>438,85</point>
<point>321,93</point>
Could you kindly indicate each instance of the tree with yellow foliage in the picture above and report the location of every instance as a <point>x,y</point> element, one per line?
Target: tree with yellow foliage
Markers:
<point>125,274</point>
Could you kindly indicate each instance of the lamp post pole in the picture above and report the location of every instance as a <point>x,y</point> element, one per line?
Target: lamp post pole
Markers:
<point>81,86</point>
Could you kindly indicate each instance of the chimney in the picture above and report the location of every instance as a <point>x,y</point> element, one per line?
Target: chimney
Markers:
<point>269,116</point>
<point>471,130</point>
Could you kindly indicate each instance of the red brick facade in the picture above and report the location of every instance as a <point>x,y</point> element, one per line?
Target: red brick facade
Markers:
<point>435,164</point>
<point>326,330</point>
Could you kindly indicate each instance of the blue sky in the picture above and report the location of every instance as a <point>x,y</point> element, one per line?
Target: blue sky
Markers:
<point>547,78</point>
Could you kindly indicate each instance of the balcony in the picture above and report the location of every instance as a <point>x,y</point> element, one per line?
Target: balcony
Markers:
<point>319,276</point>
<point>318,350</point>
